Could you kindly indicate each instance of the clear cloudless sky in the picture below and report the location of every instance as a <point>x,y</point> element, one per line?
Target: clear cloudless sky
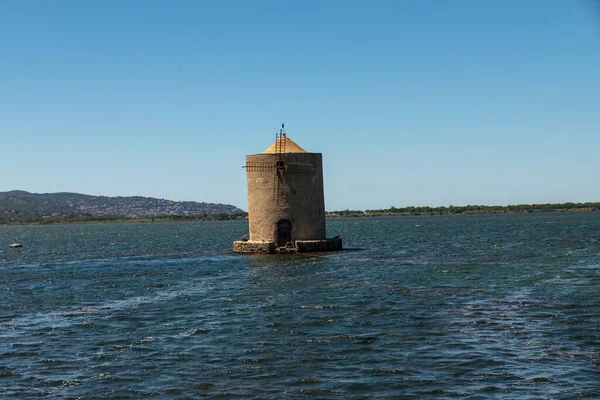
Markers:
<point>416,102</point>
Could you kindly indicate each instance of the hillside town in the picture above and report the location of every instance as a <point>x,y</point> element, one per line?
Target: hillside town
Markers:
<point>21,206</point>
<point>150,208</point>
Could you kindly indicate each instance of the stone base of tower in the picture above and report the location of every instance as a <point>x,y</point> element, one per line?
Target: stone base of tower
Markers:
<point>308,246</point>
<point>300,246</point>
<point>254,247</point>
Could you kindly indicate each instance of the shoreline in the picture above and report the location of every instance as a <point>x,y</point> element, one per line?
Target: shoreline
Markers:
<point>422,214</point>
<point>329,215</point>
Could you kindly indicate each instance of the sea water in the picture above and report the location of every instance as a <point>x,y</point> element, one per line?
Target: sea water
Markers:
<point>481,307</point>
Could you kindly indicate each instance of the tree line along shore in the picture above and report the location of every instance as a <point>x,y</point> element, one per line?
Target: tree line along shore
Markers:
<point>469,209</point>
<point>392,211</point>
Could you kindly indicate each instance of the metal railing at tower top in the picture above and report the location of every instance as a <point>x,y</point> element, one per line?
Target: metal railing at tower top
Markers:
<point>280,140</point>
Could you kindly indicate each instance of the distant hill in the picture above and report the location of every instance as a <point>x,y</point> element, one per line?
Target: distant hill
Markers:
<point>18,206</point>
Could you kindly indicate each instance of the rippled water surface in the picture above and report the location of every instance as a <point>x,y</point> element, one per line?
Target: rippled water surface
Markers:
<point>480,307</point>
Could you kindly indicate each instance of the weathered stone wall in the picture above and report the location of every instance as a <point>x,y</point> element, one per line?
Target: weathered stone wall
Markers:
<point>301,201</point>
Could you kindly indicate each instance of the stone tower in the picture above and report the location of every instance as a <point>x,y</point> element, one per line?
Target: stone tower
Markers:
<point>286,205</point>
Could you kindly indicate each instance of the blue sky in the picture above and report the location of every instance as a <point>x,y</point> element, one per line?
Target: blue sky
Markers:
<point>411,102</point>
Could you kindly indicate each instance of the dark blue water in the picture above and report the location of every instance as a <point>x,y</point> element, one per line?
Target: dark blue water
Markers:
<point>480,307</point>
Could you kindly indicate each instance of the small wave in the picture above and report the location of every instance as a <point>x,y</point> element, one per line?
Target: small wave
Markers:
<point>337,338</point>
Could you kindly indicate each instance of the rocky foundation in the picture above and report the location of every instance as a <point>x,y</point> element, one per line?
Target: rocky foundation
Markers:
<point>300,246</point>
<point>307,246</point>
<point>254,247</point>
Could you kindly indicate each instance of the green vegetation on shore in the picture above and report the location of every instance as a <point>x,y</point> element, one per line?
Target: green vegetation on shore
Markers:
<point>470,209</point>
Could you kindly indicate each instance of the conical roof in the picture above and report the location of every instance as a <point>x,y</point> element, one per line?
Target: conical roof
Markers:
<point>286,145</point>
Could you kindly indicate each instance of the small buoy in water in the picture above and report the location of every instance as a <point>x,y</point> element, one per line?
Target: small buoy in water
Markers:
<point>12,246</point>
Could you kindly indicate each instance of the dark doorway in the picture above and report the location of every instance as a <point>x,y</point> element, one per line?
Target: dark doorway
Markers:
<point>284,232</point>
